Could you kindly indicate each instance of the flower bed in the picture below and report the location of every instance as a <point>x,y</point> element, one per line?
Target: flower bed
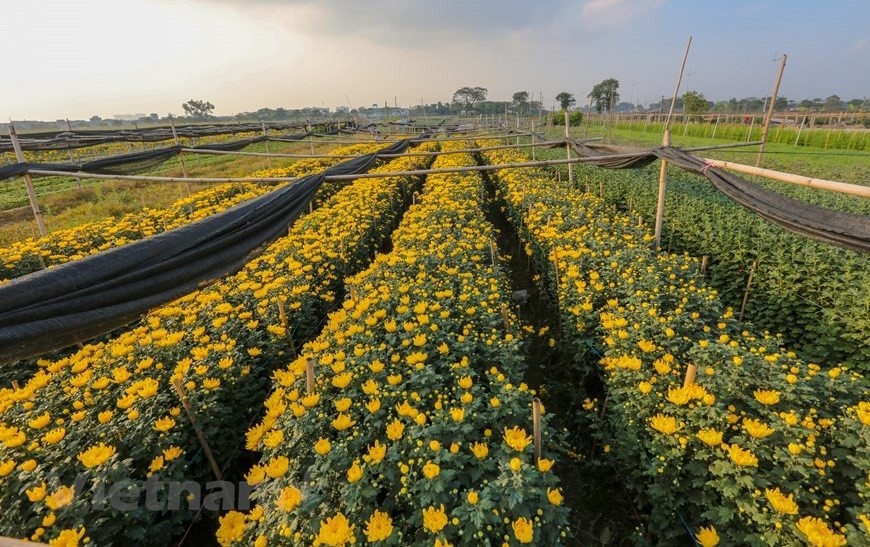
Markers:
<point>761,449</point>
<point>418,429</point>
<point>111,409</point>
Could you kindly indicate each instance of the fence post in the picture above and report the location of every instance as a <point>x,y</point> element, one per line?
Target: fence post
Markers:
<point>28,182</point>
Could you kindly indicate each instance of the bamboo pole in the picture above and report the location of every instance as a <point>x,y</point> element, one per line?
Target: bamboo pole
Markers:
<point>28,182</point>
<point>800,180</point>
<point>704,260</point>
<point>69,151</point>
<point>536,427</point>
<point>746,292</point>
<point>677,88</point>
<point>266,142</point>
<point>663,182</point>
<point>180,153</point>
<point>198,429</point>
<point>769,115</point>
<point>568,148</point>
<point>309,376</point>
<point>691,370</point>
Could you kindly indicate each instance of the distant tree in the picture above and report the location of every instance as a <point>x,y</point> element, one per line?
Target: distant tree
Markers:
<point>566,100</point>
<point>198,108</point>
<point>695,103</point>
<point>604,94</point>
<point>467,96</point>
<point>96,119</point>
<point>521,101</point>
<point>833,103</point>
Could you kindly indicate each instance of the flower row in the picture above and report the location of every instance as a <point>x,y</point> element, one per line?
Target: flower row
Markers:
<point>765,447</point>
<point>417,428</point>
<point>112,410</point>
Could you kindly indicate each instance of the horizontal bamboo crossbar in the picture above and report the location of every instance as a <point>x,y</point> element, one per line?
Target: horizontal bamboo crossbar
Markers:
<point>821,184</point>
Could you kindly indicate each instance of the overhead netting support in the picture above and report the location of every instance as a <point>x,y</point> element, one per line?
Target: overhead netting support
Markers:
<point>137,162</point>
<point>843,229</point>
<point>79,300</point>
<point>64,140</point>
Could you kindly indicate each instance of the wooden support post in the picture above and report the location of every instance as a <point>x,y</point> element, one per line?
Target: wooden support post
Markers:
<point>28,182</point>
<point>493,254</point>
<point>198,429</point>
<point>800,129</point>
<point>506,317</point>
<point>769,115</point>
<point>309,376</point>
<point>715,127</point>
<point>588,116</point>
<point>534,140</point>
<point>15,384</point>
<point>69,151</point>
<point>746,292</point>
<point>691,370</point>
<point>704,264</point>
<point>751,125</point>
<point>568,149</point>
<point>663,182</point>
<point>536,427</point>
<point>180,153</point>
<point>266,142</point>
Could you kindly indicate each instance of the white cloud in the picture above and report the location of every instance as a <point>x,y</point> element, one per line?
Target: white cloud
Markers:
<point>862,44</point>
<point>615,13</point>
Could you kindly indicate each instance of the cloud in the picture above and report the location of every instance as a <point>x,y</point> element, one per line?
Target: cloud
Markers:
<point>862,44</point>
<point>615,13</point>
<point>412,23</point>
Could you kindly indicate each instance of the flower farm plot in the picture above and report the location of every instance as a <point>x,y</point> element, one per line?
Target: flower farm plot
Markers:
<point>761,448</point>
<point>58,247</point>
<point>110,411</point>
<point>417,431</point>
<point>813,293</point>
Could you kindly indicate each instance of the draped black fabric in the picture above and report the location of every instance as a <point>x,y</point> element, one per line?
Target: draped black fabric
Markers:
<point>843,229</point>
<point>73,302</point>
<point>137,162</point>
<point>65,140</point>
<point>847,230</point>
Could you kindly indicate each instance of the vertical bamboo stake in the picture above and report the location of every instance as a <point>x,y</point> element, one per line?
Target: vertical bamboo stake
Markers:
<point>309,376</point>
<point>28,182</point>
<point>493,254</point>
<point>691,370</point>
<point>180,153</point>
<point>746,292</point>
<point>534,140</point>
<point>588,116</point>
<point>198,429</point>
<point>715,127</point>
<point>677,88</point>
<point>536,427</point>
<point>601,189</point>
<point>15,384</point>
<point>800,129</point>
<point>663,182</point>
<point>568,149</point>
<point>69,151</point>
<point>266,142</point>
<point>769,114</point>
<point>751,125</point>
<point>704,264</point>
<point>505,317</point>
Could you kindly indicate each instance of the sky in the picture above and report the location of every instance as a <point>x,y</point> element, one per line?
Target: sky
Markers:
<point>76,59</point>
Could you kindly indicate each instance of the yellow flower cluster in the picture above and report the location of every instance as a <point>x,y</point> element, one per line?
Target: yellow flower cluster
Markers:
<point>423,343</point>
<point>117,399</point>
<point>754,411</point>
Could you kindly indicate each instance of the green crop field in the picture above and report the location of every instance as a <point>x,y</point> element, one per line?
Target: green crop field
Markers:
<point>454,358</point>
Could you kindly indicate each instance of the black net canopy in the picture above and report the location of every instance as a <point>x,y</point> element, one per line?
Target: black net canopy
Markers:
<point>76,301</point>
